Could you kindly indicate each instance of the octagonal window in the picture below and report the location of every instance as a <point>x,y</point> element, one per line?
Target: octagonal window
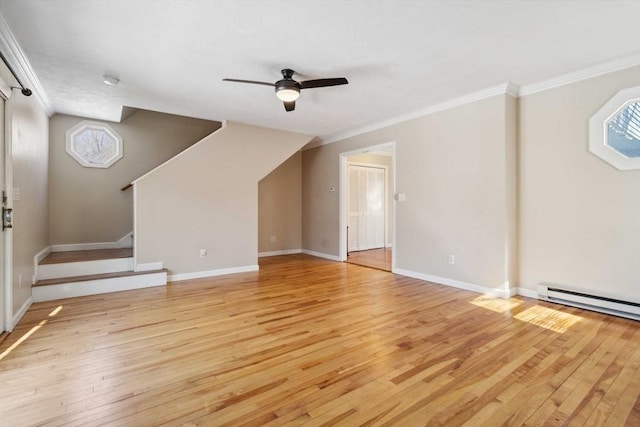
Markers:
<point>94,145</point>
<point>614,130</point>
<point>623,130</point>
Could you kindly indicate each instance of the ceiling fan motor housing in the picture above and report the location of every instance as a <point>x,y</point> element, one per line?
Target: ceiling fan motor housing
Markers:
<point>288,85</point>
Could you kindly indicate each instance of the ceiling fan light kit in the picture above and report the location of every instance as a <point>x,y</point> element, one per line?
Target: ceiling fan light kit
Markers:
<point>288,90</point>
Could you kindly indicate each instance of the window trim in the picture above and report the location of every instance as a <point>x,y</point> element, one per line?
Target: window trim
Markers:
<point>81,127</point>
<point>598,130</point>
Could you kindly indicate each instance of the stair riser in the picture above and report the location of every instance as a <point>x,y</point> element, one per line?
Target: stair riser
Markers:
<point>84,268</point>
<point>99,286</point>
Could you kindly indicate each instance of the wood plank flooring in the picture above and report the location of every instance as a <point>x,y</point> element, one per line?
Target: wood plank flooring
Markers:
<point>306,341</point>
<point>374,258</point>
<point>89,255</point>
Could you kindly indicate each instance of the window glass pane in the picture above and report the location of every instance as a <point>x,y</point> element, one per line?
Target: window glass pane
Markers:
<point>623,131</point>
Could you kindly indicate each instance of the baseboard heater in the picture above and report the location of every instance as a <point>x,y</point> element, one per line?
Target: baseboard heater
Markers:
<point>588,301</point>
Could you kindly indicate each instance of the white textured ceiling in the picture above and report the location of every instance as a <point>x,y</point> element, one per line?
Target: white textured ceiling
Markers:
<point>399,57</point>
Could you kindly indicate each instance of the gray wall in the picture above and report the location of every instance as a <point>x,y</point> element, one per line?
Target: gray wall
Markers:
<point>579,216</point>
<point>454,167</point>
<point>29,150</point>
<point>87,205</point>
<point>207,198</point>
<point>280,207</point>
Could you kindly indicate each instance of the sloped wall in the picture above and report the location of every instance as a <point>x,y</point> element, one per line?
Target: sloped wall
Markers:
<point>207,198</point>
<point>87,205</point>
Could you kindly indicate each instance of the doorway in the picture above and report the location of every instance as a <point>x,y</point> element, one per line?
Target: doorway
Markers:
<point>367,211</point>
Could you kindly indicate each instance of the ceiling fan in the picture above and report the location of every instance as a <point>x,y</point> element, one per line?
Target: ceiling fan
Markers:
<point>288,90</point>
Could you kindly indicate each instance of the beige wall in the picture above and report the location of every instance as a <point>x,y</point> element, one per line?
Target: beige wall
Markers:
<point>87,205</point>
<point>579,216</point>
<point>29,150</point>
<point>452,166</point>
<point>280,207</point>
<point>381,160</point>
<point>207,198</point>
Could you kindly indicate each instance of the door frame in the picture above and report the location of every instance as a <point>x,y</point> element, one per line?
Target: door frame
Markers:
<point>342,223</point>
<point>6,311</point>
<point>386,193</point>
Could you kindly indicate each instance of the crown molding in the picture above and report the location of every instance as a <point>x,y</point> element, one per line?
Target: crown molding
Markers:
<point>586,73</point>
<point>505,88</point>
<point>21,65</point>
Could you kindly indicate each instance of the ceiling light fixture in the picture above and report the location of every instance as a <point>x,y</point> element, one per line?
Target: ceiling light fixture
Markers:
<point>287,93</point>
<point>110,80</point>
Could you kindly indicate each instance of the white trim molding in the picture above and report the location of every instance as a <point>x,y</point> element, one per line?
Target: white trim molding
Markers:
<point>278,253</point>
<point>20,313</point>
<point>211,273</point>
<point>36,262</point>
<point>150,266</point>
<point>527,293</point>
<point>98,286</point>
<point>125,241</point>
<point>502,293</point>
<point>21,65</point>
<point>584,74</point>
<point>505,88</point>
<point>321,255</point>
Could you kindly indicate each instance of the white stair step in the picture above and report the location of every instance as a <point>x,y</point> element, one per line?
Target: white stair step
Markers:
<point>83,268</point>
<point>69,287</point>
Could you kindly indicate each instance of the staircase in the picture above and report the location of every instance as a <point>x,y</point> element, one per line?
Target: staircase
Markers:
<point>90,272</point>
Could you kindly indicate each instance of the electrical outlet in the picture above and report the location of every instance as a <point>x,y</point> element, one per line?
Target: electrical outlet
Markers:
<point>274,239</point>
<point>452,259</point>
<point>203,253</point>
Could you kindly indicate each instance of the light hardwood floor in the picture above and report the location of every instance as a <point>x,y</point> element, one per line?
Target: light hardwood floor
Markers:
<point>313,342</point>
<point>374,258</point>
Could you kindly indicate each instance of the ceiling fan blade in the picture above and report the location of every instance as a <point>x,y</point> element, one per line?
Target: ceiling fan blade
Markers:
<point>248,81</point>
<point>309,84</point>
<point>290,106</point>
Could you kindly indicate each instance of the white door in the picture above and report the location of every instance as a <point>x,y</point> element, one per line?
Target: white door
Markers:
<point>366,207</point>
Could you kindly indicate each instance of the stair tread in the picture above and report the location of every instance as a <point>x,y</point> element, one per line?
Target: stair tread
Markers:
<point>87,255</point>
<point>95,277</point>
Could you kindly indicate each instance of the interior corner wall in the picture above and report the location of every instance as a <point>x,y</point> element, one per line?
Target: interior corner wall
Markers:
<point>87,204</point>
<point>579,216</point>
<point>280,207</point>
<point>30,174</point>
<point>207,198</point>
<point>452,167</point>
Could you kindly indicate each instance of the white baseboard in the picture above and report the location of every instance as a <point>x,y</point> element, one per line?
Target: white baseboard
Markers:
<point>36,261</point>
<point>149,266</point>
<point>527,293</point>
<point>277,253</point>
<point>388,245</point>
<point>321,255</point>
<point>456,283</point>
<point>98,286</point>
<point>84,268</point>
<point>211,273</point>
<point>125,241</point>
<point>18,316</point>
